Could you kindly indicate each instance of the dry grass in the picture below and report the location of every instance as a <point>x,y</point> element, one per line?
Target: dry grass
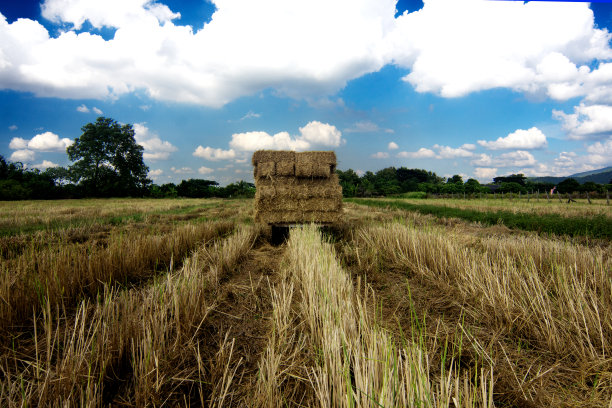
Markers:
<point>548,295</point>
<point>341,353</point>
<point>87,212</point>
<point>137,347</point>
<point>581,208</point>
<point>188,307</point>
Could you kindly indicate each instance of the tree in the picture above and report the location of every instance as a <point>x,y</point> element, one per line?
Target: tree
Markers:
<point>513,178</point>
<point>108,161</point>
<point>456,179</point>
<point>568,185</point>
<point>472,186</point>
<point>197,188</point>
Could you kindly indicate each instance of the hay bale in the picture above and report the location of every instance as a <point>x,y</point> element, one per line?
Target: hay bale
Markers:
<point>299,187</point>
<point>327,157</point>
<point>272,156</point>
<point>314,164</point>
<point>304,204</point>
<point>312,170</point>
<point>295,188</point>
<point>297,217</point>
<point>266,169</point>
<point>285,168</point>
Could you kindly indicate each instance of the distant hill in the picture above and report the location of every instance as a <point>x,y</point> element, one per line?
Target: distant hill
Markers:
<point>601,176</point>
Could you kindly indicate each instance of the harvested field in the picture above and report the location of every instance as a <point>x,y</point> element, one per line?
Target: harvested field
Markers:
<point>388,308</point>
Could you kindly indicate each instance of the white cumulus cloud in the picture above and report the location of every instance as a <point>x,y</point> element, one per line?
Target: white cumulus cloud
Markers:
<point>587,121</point>
<point>485,174</point>
<point>392,146</point>
<point>82,109</point>
<point>97,111</point>
<point>24,156</point>
<point>532,138</point>
<point>43,142</point>
<point>155,173</point>
<point>447,152</point>
<point>305,50</point>
<point>600,153</point>
<point>313,134</point>
<point>45,165</point>
<point>519,158</point>
<point>13,128</point>
<point>210,153</point>
<point>154,147</point>
<point>422,153</point>
<point>182,170</point>
<point>205,170</point>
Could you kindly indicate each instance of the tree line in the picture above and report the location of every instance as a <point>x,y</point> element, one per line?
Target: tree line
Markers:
<point>392,181</point>
<point>107,162</point>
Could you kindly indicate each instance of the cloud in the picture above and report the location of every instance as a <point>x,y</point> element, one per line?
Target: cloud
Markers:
<point>155,173</point>
<point>97,111</point>
<point>205,170</point>
<point>532,138</point>
<point>442,46</point>
<point>82,109</point>
<point>380,155</point>
<point>321,134</point>
<point>314,133</point>
<point>422,153</point>
<point>485,174</point>
<point>325,103</point>
<point>392,146</point>
<point>587,121</point>
<point>210,153</point>
<point>600,153</point>
<point>154,147</point>
<point>44,142</point>
<point>182,170</point>
<point>483,160</point>
<point>367,127</point>
<point>24,156</point>
<point>447,152</point>
<point>212,66</point>
<point>13,128</point>
<point>519,158</point>
<point>45,165</point>
<point>250,115</point>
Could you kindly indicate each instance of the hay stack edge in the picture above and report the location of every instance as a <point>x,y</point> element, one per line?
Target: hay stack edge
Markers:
<point>295,188</point>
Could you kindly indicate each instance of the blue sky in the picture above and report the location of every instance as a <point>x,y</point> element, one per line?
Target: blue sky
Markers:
<point>473,87</point>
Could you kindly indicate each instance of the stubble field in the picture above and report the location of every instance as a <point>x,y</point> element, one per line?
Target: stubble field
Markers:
<point>185,303</point>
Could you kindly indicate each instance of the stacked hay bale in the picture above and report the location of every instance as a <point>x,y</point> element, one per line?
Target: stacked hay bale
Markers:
<point>295,188</point>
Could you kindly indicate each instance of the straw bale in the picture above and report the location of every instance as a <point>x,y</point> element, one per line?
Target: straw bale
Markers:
<point>326,157</point>
<point>285,168</point>
<point>285,203</point>
<point>296,217</point>
<point>273,156</point>
<point>266,169</point>
<point>313,170</point>
<point>298,188</point>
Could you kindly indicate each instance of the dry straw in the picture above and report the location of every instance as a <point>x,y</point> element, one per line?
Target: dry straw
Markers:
<point>296,187</point>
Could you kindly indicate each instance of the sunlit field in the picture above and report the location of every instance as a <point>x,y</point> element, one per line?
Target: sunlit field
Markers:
<point>177,302</point>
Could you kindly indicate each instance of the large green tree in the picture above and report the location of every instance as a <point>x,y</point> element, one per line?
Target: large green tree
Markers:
<point>108,161</point>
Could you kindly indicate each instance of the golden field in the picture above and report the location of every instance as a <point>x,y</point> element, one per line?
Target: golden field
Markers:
<point>185,303</point>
